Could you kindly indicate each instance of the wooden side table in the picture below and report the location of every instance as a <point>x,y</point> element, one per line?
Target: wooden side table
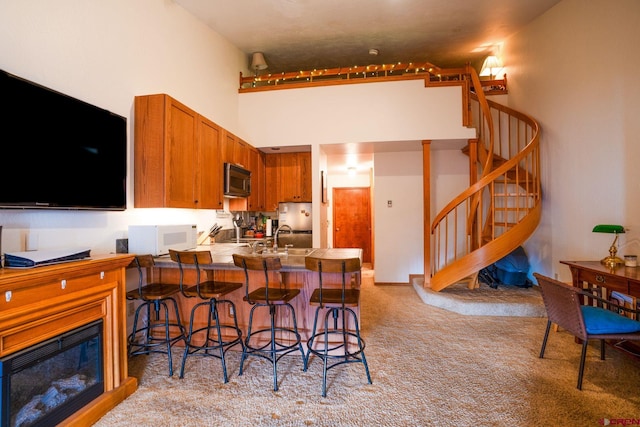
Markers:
<point>595,275</point>
<point>603,280</point>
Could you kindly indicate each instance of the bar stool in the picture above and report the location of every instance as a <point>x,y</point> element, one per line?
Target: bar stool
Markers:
<point>340,342</point>
<point>275,341</point>
<point>156,297</point>
<point>216,337</point>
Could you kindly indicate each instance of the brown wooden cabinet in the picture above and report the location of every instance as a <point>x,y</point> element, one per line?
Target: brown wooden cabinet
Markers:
<point>235,150</point>
<point>256,202</point>
<point>292,177</point>
<point>41,303</point>
<point>209,167</point>
<point>272,184</point>
<point>176,156</point>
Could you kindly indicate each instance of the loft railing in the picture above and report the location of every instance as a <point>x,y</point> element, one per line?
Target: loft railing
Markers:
<point>432,74</point>
<point>502,208</point>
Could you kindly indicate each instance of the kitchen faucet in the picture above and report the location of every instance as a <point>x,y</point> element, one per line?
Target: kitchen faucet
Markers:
<point>275,237</point>
<point>254,246</point>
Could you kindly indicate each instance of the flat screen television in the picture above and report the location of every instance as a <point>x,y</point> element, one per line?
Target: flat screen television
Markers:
<point>57,152</point>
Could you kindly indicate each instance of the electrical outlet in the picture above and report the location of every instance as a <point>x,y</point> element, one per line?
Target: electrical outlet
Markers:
<point>31,241</point>
<point>231,312</point>
<point>130,308</point>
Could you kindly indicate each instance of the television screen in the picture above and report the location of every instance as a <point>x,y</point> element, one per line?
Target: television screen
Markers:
<point>59,152</point>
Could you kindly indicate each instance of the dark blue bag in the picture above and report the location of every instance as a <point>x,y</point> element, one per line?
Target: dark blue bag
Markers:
<point>511,270</point>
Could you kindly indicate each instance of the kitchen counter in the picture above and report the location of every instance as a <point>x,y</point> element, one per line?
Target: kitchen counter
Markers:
<point>222,254</point>
<point>293,275</point>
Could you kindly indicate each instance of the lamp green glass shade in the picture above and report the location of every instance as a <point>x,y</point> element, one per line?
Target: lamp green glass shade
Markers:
<point>611,261</point>
<point>608,228</point>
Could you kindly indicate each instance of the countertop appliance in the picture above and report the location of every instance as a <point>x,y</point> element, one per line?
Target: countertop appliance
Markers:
<point>158,239</point>
<point>237,181</point>
<point>296,215</point>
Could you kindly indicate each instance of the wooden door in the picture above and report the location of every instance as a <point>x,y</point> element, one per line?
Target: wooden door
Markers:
<point>352,220</point>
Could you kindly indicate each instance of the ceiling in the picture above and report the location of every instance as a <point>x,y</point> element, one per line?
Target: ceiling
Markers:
<point>307,34</point>
<point>299,35</point>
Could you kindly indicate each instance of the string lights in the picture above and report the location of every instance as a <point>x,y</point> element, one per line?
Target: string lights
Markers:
<point>365,71</point>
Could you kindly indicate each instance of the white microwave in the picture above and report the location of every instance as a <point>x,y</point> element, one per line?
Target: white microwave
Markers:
<point>158,239</point>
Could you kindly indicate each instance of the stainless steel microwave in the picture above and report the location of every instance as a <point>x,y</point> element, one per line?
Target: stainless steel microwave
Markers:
<point>237,181</point>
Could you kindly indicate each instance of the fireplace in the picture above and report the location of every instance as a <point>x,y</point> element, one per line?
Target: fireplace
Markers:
<point>46,383</point>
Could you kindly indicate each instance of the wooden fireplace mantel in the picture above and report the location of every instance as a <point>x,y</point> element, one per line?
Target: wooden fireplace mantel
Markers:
<point>40,303</point>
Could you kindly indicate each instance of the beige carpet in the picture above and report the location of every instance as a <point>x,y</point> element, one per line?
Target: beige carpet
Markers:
<point>429,367</point>
<point>485,301</point>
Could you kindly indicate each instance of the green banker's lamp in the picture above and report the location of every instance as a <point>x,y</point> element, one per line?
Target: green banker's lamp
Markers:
<point>612,260</point>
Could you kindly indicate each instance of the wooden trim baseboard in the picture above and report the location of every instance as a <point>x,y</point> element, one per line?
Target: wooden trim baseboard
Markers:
<point>390,284</point>
<point>91,413</point>
<point>412,277</point>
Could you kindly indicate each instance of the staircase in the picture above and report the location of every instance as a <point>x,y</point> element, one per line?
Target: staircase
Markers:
<point>502,207</point>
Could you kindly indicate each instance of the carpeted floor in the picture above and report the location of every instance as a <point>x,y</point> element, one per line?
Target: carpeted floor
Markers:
<point>484,300</point>
<point>429,366</point>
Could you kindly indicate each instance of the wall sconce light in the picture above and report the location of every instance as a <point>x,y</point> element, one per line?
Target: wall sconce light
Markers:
<point>258,62</point>
<point>491,67</point>
<point>612,260</point>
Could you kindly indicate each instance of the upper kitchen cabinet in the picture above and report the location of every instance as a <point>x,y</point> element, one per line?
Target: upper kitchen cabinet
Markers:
<point>256,200</point>
<point>295,177</point>
<point>210,167</point>
<point>176,156</point>
<point>272,181</point>
<point>289,176</point>
<point>235,150</point>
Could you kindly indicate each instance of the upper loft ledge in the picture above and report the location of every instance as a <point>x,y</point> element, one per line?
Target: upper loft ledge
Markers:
<point>431,74</point>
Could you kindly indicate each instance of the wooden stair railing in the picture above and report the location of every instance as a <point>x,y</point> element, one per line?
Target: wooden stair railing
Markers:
<point>502,208</point>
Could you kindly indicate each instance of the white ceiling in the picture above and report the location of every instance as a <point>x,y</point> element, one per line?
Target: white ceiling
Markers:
<point>307,34</point>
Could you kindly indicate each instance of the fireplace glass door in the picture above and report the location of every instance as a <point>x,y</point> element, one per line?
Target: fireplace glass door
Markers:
<point>46,383</point>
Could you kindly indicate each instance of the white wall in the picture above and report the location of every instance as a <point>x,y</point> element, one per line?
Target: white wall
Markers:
<point>399,228</point>
<point>368,112</point>
<point>575,70</point>
<point>105,53</point>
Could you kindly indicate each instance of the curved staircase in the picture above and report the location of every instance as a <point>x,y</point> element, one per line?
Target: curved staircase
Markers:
<point>502,207</point>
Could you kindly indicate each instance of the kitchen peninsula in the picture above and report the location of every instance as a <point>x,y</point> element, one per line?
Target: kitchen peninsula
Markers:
<point>293,274</point>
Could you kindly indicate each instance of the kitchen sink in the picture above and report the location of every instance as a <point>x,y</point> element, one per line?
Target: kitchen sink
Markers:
<point>284,252</point>
<point>298,251</point>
